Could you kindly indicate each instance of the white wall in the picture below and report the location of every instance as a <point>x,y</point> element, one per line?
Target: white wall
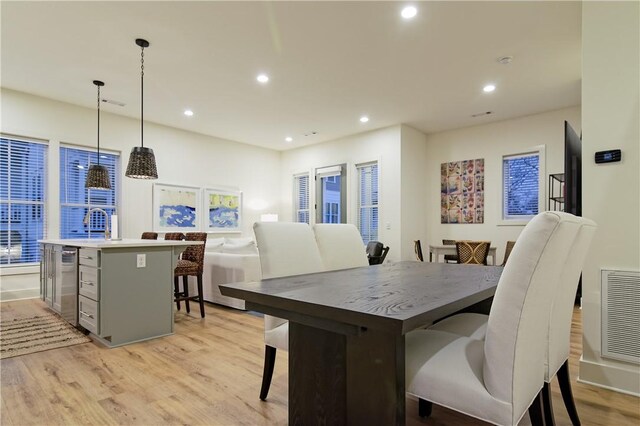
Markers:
<point>182,157</point>
<point>610,192</point>
<point>379,145</point>
<point>491,141</point>
<point>412,191</point>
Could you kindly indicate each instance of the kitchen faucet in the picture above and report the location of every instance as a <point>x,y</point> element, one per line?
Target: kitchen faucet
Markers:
<point>107,233</point>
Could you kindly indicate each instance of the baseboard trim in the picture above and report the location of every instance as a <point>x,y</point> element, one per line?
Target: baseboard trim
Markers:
<point>626,381</point>
<point>27,293</point>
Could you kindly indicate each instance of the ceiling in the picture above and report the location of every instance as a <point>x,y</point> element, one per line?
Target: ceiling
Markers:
<point>329,63</point>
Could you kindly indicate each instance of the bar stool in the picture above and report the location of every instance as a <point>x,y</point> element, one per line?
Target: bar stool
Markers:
<point>149,236</point>
<point>190,264</point>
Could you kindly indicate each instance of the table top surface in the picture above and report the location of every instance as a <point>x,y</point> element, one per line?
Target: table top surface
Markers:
<point>397,297</point>
<point>128,242</point>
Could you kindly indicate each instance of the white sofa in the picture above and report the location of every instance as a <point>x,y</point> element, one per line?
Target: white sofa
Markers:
<point>229,260</point>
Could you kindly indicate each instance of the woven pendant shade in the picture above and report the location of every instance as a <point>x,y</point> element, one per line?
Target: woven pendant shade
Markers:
<point>142,164</point>
<point>97,177</point>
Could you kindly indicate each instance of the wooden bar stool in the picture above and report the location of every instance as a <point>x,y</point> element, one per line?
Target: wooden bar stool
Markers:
<point>175,236</point>
<point>190,264</point>
<point>149,236</point>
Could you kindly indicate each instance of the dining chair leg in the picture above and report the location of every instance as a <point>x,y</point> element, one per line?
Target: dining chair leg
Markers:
<point>201,299</point>
<point>185,291</point>
<point>424,408</point>
<point>267,374</point>
<point>564,379</point>
<point>547,405</point>
<point>176,291</point>
<point>535,411</point>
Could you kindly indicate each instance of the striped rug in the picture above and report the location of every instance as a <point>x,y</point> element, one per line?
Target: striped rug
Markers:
<point>29,334</point>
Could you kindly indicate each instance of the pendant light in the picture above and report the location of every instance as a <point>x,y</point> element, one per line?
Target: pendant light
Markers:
<point>142,161</point>
<point>98,176</point>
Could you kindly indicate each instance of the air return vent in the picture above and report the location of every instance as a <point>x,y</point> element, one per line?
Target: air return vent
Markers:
<point>621,315</point>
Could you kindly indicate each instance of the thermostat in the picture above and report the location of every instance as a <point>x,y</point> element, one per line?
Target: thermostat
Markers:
<point>610,156</point>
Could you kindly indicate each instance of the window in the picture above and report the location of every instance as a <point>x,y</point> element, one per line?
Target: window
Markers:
<point>22,198</point>
<point>301,198</point>
<point>331,213</point>
<point>76,200</point>
<point>368,201</point>
<point>522,185</point>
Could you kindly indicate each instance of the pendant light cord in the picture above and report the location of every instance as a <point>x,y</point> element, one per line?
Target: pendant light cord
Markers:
<point>98,125</point>
<point>142,97</point>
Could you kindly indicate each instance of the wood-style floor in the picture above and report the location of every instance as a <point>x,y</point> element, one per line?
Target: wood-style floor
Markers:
<point>208,373</point>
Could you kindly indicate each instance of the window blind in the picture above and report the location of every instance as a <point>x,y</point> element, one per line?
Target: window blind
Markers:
<point>520,185</point>
<point>368,201</point>
<point>301,198</point>
<point>22,200</point>
<point>76,200</point>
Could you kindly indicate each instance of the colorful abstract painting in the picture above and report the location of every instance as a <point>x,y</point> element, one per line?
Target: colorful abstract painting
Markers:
<point>175,208</point>
<point>462,191</point>
<point>224,210</point>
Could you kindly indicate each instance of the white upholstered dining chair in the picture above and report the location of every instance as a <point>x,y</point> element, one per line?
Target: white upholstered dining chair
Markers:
<point>286,249</point>
<point>498,379</point>
<point>558,328</point>
<point>341,246</point>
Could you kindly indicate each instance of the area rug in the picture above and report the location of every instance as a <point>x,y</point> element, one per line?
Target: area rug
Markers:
<point>24,335</point>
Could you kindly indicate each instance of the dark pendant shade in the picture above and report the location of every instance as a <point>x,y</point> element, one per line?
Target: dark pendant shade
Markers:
<point>142,164</point>
<point>97,177</point>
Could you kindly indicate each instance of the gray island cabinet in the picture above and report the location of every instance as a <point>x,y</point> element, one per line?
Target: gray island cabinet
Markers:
<point>121,291</point>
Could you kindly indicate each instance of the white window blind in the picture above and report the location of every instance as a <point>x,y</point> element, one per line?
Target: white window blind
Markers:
<point>368,201</point>
<point>76,200</point>
<point>520,186</point>
<point>301,198</point>
<point>22,200</point>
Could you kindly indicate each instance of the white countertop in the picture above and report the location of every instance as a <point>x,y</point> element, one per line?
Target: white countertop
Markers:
<point>126,242</point>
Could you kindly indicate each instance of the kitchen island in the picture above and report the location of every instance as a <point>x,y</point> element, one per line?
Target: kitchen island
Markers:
<point>121,291</point>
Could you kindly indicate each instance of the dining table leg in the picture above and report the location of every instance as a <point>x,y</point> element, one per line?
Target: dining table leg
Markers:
<point>344,379</point>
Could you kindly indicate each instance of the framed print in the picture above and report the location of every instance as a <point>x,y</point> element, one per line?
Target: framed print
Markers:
<point>462,191</point>
<point>176,208</point>
<point>223,210</point>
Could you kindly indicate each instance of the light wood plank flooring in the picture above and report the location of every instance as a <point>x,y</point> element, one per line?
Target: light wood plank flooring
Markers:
<point>208,373</point>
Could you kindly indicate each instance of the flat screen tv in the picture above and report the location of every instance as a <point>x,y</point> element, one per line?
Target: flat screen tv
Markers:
<point>572,171</point>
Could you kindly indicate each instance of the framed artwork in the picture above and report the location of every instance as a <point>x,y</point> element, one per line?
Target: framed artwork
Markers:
<point>223,210</point>
<point>462,191</point>
<point>176,208</point>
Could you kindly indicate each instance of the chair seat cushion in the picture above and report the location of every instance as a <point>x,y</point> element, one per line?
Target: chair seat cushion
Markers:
<point>446,369</point>
<point>468,324</point>
<point>278,337</point>
<point>186,267</point>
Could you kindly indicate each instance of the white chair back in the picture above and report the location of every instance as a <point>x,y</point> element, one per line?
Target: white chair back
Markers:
<point>341,246</point>
<point>562,310</point>
<point>285,248</point>
<point>515,347</point>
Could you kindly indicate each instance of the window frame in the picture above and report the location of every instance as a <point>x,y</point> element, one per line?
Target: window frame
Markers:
<point>296,199</point>
<point>540,151</point>
<point>117,179</point>
<point>359,205</point>
<point>28,267</point>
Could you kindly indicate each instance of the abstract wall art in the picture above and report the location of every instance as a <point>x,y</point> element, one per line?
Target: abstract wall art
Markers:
<point>223,210</point>
<point>462,191</point>
<point>176,208</point>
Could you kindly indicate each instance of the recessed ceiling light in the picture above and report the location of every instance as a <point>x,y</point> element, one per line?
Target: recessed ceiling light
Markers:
<point>364,119</point>
<point>262,78</point>
<point>489,88</point>
<point>288,139</point>
<point>409,12</point>
<point>188,112</point>
<point>504,60</point>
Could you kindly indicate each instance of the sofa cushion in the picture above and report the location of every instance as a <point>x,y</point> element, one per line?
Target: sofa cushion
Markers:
<point>214,245</point>
<point>239,246</point>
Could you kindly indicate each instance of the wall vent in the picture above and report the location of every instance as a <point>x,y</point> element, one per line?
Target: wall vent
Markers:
<point>621,315</point>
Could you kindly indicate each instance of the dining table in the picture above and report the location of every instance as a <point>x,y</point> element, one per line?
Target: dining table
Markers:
<point>347,332</point>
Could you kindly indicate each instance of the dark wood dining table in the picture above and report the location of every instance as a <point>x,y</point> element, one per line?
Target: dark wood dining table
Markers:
<point>347,332</point>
